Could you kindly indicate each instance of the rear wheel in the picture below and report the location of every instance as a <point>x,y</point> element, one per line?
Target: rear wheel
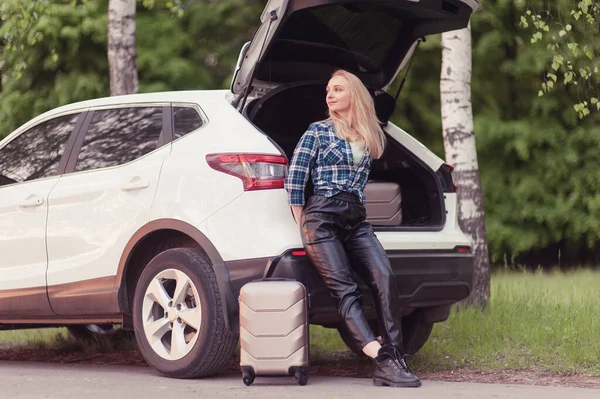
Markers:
<point>415,333</point>
<point>177,316</point>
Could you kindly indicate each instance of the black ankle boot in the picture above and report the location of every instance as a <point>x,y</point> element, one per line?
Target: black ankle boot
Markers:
<point>392,370</point>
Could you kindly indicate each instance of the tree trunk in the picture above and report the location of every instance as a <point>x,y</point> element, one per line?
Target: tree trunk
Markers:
<point>459,145</point>
<point>122,58</point>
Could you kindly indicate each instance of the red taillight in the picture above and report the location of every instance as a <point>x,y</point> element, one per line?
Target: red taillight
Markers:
<point>462,249</point>
<point>299,253</point>
<point>257,171</point>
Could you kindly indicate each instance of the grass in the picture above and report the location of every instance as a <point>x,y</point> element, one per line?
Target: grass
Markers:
<point>40,338</point>
<point>548,322</point>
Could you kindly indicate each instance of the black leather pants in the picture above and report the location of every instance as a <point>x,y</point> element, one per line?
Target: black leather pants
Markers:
<point>338,239</point>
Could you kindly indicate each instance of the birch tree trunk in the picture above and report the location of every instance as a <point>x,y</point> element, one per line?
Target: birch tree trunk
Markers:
<point>122,58</point>
<point>459,146</point>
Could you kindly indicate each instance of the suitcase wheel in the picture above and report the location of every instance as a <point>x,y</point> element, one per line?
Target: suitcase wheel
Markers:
<point>248,380</point>
<point>248,376</point>
<point>301,375</point>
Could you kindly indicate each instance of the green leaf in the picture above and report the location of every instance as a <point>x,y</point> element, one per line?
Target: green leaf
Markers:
<point>568,77</point>
<point>562,33</point>
<point>594,100</point>
<point>559,59</point>
<point>524,22</point>
<point>568,28</point>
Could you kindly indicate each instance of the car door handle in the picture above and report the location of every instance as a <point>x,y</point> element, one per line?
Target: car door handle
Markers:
<point>135,184</point>
<point>31,202</point>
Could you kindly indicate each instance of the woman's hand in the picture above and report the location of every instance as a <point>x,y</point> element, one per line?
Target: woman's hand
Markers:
<point>297,212</point>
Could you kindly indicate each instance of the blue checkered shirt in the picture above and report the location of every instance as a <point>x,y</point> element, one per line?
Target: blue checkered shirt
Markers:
<point>320,153</point>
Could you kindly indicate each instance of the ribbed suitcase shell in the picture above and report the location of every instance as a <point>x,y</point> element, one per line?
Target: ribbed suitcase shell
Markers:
<point>274,333</point>
<point>384,203</point>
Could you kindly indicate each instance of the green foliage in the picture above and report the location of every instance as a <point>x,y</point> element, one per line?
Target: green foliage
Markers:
<point>54,51</point>
<point>539,161</point>
<point>569,30</point>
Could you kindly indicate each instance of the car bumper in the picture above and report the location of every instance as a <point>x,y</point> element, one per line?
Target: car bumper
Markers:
<point>433,280</point>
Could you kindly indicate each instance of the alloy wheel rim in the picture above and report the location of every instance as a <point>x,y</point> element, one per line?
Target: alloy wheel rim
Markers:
<point>171,314</point>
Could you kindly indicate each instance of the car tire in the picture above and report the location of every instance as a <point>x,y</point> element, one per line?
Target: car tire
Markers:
<point>415,333</point>
<point>178,318</point>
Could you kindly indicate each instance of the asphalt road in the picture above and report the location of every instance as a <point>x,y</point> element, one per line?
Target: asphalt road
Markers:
<point>43,380</point>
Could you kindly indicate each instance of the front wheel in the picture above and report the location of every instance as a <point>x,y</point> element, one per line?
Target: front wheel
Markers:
<point>177,316</point>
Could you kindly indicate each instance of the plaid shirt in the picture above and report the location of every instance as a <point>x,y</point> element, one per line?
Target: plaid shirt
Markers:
<point>322,154</point>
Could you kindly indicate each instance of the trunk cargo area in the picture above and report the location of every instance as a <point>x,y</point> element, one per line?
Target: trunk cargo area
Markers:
<point>285,113</point>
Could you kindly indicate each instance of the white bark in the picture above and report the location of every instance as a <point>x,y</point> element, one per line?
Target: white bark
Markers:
<point>122,58</point>
<point>459,145</point>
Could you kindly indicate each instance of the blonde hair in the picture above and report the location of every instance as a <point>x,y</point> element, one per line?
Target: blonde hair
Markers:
<point>363,117</point>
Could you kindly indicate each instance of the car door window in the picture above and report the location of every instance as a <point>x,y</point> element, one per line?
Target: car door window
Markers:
<point>36,153</point>
<point>185,120</point>
<point>118,136</point>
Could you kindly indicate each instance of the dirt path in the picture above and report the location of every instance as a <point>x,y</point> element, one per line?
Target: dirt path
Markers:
<point>340,366</point>
<point>29,380</point>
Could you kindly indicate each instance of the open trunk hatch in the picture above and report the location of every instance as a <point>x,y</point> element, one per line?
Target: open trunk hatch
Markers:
<point>300,40</point>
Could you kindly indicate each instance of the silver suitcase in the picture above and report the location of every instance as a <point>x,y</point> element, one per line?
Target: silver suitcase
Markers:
<point>384,203</point>
<point>274,333</point>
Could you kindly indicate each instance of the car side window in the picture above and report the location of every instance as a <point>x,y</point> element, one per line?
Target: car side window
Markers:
<point>36,153</point>
<point>185,120</point>
<point>118,136</point>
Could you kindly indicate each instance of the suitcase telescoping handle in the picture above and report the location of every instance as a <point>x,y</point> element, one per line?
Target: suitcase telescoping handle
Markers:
<point>273,279</point>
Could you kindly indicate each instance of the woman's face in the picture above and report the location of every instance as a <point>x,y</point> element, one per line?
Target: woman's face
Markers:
<point>338,95</point>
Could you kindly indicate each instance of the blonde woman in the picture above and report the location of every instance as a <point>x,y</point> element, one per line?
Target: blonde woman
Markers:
<point>338,153</point>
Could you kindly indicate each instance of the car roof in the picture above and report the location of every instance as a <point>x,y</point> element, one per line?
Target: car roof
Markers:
<point>165,96</point>
<point>184,96</point>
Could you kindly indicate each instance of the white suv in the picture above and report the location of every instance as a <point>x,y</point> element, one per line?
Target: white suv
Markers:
<point>150,211</point>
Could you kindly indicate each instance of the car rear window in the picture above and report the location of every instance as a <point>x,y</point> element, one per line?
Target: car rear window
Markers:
<point>185,120</point>
<point>363,29</point>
